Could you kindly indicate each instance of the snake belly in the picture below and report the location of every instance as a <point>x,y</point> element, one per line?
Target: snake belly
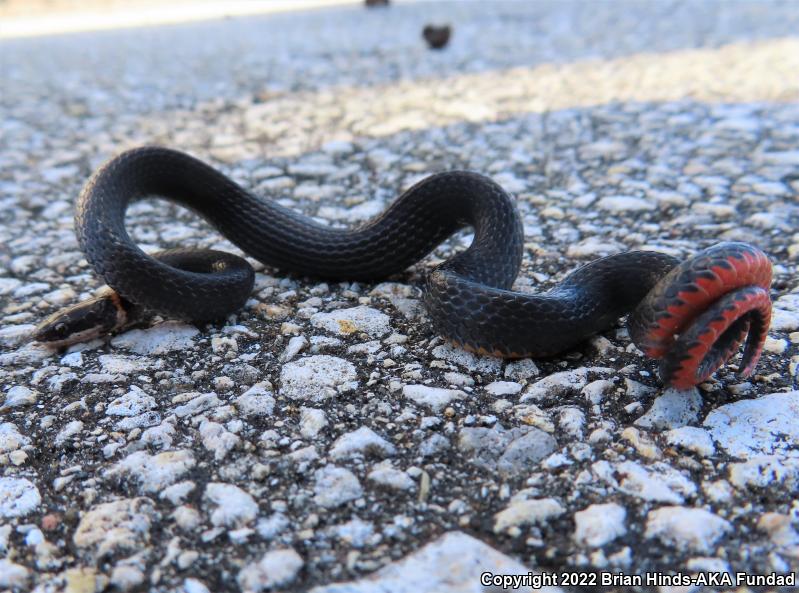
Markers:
<point>468,298</point>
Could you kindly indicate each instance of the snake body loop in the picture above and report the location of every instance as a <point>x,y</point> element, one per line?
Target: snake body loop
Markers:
<point>683,313</point>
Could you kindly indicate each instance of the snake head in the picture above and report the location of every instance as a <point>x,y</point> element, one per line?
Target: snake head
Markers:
<point>84,321</point>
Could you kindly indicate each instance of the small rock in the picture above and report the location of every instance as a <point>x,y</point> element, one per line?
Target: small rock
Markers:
<point>276,568</point>
<point>693,530</point>
<point>624,204</point>
<point>525,451</point>
<point>636,390</point>
<point>322,343</point>
<point>557,385</point>
<point>508,452</point>
<point>532,415</point>
<point>459,379</point>
<point>218,440</point>
<point>194,586</point>
<point>14,335</point>
<point>787,157</point>
<point>357,319</point>
<point>434,398</point>
<point>354,532</point>
<point>294,347</point>
<point>201,402</point>
<point>784,320</point>
<point>692,439</point>
<point>159,339</point>
<point>673,409</point>
<point>154,472</point>
<point>572,422</point>
<point>121,525</point>
<point>593,247</point>
<point>177,492</point>
<point>312,421</point>
<point>133,403</point>
<point>233,506</point>
<point>389,290</point>
<point>764,471</point>
<point>122,365</point>
<point>19,396</point>
<point>467,360</point>
<point>521,370</point>
<point>256,401</point>
<point>362,441</point>
<point>599,524</point>
<point>335,486</point>
<point>13,576</point>
<point>385,475</point>
<point>434,445</point>
<point>144,420</point>
<point>69,431</point>
<point>125,577</point>
<point>11,439</point>
<point>596,391</point>
<point>775,346</point>
<point>18,497</point>
<point>658,482</point>
<point>160,436</point>
<point>779,529</point>
<point>8,285</point>
<point>762,426</point>
<point>535,511</point>
<point>84,580</point>
<point>272,526</point>
<point>187,518</point>
<point>27,354</point>
<point>317,378</point>
<point>503,388</point>
<point>223,344</point>
<point>451,563</point>
<point>643,444</point>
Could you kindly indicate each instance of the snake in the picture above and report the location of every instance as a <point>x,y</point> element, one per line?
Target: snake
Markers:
<point>692,316</point>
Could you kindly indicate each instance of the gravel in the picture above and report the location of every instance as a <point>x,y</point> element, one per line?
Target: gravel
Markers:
<point>324,438</point>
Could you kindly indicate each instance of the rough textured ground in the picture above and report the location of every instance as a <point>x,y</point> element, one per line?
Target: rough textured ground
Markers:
<point>324,435</point>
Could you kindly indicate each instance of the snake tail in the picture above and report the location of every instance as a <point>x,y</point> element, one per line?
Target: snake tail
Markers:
<point>696,318</point>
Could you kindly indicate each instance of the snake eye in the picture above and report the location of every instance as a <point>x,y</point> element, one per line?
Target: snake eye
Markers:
<point>60,328</point>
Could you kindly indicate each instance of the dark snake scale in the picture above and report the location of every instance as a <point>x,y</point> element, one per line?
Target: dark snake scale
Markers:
<point>693,316</point>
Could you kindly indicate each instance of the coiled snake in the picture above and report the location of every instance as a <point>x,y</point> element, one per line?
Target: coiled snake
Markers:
<point>693,315</point>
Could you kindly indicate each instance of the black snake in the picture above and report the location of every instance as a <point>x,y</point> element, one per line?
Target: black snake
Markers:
<point>692,315</point>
